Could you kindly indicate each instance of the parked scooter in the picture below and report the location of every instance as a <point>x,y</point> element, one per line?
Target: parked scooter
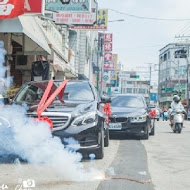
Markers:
<point>177,122</point>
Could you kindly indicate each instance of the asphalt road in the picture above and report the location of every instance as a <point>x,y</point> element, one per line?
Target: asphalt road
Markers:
<point>169,157</point>
<point>164,159</point>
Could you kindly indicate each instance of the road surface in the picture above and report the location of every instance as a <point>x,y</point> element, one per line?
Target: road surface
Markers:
<point>162,162</point>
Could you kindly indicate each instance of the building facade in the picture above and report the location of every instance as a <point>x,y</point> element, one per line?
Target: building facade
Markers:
<point>130,85</point>
<point>172,74</point>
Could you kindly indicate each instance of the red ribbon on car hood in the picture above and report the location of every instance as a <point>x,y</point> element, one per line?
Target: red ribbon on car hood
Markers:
<point>45,101</point>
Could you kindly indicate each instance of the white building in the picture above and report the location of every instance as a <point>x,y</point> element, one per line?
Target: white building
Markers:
<point>129,85</point>
<point>172,73</point>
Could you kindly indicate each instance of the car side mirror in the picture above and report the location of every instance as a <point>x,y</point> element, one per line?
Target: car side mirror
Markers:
<point>105,99</point>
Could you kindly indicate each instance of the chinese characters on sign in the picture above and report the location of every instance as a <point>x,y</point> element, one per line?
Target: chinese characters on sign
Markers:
<point>11,8</point>
<point>108,57</point>
<point>108,37</point>
<point>77,18</point>
<point>101,24</point>
<point>108,46</point>
<point>74,18</point>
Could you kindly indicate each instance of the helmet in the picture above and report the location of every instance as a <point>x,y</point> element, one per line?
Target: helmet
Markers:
<point>176,98</point>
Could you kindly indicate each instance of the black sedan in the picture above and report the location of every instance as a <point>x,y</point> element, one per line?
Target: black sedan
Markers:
<point>130,116</point>
<point>75,113</point>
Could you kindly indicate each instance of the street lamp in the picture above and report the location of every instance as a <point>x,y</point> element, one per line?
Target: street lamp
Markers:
<point>119,20</point>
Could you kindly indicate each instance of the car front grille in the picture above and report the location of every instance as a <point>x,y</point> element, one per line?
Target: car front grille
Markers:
<point>119,119</point>
<point>59,120</point>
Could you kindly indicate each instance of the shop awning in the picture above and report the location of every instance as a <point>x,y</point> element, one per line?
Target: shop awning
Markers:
<point>52,41</point>
<point>33,40</point>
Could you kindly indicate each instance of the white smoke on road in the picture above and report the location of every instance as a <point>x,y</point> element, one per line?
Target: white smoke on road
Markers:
<point>32,141</point>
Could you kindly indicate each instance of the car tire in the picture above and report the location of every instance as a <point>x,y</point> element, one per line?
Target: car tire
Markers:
<point>146,136</point>
<point>153,130</point>
<point>158,119</point>
<point>100,151</point>
<point>107,138</point>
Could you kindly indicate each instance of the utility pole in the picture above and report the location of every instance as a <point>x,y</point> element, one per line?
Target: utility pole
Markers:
<point>150,75</point>
<point>188,85</point>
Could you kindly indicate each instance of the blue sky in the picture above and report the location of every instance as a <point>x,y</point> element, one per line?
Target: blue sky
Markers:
<point>138,41</point>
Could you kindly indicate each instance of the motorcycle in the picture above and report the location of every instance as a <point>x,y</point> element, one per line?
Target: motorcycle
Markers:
<point>177,122</point>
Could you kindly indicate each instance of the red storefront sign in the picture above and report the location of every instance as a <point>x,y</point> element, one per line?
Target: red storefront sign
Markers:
<point>108,46</point>
<point>108,56</point>
<point>34,6</point>
<point>11,8</point>
<point>108,66</point>
<point>108,37</point>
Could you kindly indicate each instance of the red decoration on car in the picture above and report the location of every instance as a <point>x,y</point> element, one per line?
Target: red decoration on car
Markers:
<point>46,100</point>
<point>152,113</point>
<point>45,119</point>
<point>107,111</point>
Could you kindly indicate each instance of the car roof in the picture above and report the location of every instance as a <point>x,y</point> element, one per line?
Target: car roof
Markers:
<point>136,95</point>
<point>46,81</point>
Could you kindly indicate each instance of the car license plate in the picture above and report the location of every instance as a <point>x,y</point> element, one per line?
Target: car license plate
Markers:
<point>115,126</point>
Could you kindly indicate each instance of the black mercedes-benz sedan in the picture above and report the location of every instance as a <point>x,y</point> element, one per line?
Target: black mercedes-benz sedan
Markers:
<point>130,116</point>
<point>77,112</point>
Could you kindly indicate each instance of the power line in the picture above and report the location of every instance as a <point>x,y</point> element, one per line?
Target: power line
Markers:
<point>148,18</point>
<point>184,28</point>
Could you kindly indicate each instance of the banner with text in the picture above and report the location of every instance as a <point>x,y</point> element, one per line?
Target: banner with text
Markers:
<point>11,8</point>
<point>108,57</point>
<point>100,25</point>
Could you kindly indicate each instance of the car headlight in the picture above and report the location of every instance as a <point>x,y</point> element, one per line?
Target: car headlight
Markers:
<point>85,119</point>
<point>137,119</point>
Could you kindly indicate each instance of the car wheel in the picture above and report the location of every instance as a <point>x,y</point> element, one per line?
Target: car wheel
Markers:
<point>153,130</point>
<point>107,138</point>
<point>100,151</point>
<point>146,136</point>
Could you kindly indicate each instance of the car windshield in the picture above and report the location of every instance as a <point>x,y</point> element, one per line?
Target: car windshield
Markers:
<point>74,91</point>
<point>127,101</point>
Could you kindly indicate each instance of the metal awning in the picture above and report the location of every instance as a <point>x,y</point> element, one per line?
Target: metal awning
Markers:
<point>33,40</point>
<point>52,43</point>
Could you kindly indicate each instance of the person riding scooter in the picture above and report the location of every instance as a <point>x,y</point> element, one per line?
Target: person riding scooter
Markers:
<point>176,106</point>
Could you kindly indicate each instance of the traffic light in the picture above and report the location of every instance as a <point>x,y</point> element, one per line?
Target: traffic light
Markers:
<point>134,76</point>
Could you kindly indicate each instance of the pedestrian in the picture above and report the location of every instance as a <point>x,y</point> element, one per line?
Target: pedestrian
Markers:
<point>163,110</point>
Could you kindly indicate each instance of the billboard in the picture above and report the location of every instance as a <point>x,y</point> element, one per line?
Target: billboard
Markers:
<point>69,5</point>
<point>77,18</point>
<point>115,61</point>
<point>101,24</point>
<point>34,6</point>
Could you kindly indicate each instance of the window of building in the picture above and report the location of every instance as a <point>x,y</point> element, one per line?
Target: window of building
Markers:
<point>168,54</point>
<point>129,90</point>
<point>129,82</point>
<point>142,91</point>
<point>165,56</point>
